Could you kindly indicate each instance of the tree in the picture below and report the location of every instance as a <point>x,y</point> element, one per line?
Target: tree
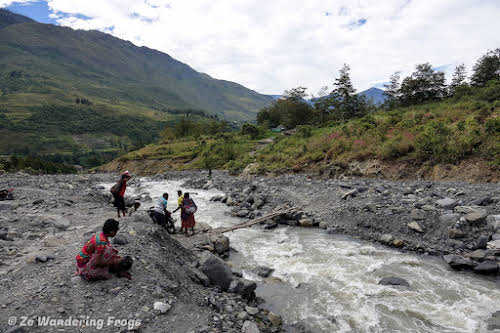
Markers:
<point>250,130</point>
<point>392,90</point>
<point>343,97</point>
<point>167,134</point>
<point>425,84</point>
<point>322,104</point>
<point>458,79</point>
<point>487,68</point>
<point>290,110</point>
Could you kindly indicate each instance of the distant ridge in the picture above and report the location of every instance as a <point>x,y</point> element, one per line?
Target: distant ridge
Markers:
<point>376,95</point>
<point>7,18</point>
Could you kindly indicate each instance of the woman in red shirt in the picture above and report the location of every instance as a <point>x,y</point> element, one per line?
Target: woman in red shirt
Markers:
<point>119,202</point>
<point>98,259</point>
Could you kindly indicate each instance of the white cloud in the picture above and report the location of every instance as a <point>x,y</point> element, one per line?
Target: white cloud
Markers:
<point>275,45</point>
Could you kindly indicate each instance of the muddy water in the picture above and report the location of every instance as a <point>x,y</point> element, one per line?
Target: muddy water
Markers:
<point>332,282</point>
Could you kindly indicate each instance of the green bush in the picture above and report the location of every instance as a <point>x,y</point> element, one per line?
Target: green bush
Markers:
<point>304,131</point>
<point>492,125</point>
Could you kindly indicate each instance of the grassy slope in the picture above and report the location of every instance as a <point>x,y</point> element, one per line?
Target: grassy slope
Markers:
<point>449,131</point>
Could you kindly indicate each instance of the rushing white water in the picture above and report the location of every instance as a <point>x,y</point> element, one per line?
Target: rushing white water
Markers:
<point>332,282</point>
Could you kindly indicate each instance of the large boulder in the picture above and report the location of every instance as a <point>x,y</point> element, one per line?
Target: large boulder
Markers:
<point>59,222</point>
<point>242,287</point>
<point>457,262</point>
<point>482,242</point>
<point>216,270</point>
<point>221,243</point>
<point>393,281</point>
<point>487,267</point>
<point>446,203</point>
<point>493,245</point>
<point>476,215</point>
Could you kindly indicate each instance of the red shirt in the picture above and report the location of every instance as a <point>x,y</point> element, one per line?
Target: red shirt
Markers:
<point>95,244</point>
<point>124,187</point>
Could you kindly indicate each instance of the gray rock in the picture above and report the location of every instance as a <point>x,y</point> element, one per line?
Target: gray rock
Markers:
<point>482,242</point>
<point>457,262</point>
<point>455,233</point>
<point>216,270</point>
<point>428,208</point>
<point>250,327</point>
<point>493,245</point>
<point>251,310</point>
<point>494,222</point>
<point>200,277</point>
<point>446,203</point>
<point>415,226</point>
<point>322,225</point>
<point>494,321</point>
<point>349,193</point>
<point>386,239</point>
<point>216,198</point>
<point>56,221</point>
<point>221,243</point>
<point>243,212</point>
<point>393,281</point>
<point>465,209</point>
<point>477,255</point>
<point>417,214</point>
<point>242,315</point>
<point>263,271</point>
<point>161,307</point>
<point>476,216</point>
<point>449,219</point>
<point>242,287</point>
<point>120,240</point>
<point>275,319</point>
<point>487,267</point>
<point>306,222</point>
<point>495,236</point>
<point>43,259</point>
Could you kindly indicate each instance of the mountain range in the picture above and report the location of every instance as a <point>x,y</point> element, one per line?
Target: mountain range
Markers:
<point>65,90</point>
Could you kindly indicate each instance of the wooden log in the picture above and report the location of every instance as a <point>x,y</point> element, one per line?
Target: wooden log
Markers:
<point>250,223</point>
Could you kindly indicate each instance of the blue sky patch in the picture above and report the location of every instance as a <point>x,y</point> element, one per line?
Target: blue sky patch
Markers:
<point>357,24</point>
<point>37,10</point>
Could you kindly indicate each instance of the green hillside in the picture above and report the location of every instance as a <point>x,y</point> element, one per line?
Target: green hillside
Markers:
<point>64,91</point>
<point>452,131</point>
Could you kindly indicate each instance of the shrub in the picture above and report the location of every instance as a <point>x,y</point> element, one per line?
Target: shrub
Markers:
<point>492,125</point>
<point>304,131</point>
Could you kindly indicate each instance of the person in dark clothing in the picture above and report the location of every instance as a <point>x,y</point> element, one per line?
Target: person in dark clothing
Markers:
<point>119,202</point>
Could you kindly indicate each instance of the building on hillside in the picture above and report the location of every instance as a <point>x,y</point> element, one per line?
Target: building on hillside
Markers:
<point>278,129</point>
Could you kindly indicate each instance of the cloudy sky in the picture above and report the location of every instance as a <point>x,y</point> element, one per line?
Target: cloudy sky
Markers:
<point>272,45</point>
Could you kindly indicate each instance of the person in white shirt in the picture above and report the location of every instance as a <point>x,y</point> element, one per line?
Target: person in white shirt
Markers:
<point>160,212</point>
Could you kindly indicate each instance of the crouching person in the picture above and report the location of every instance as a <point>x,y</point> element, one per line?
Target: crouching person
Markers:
<point>98,260</point>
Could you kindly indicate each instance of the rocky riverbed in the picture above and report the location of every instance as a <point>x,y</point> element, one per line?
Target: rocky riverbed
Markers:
<point>458,221</point>
<point>172,288</point>
<point>175,287</point>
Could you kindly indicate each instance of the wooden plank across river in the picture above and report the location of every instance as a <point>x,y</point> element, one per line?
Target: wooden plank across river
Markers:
<point>251,222</point>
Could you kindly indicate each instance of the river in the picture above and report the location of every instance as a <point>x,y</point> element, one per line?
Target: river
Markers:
<point>331,282</point>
